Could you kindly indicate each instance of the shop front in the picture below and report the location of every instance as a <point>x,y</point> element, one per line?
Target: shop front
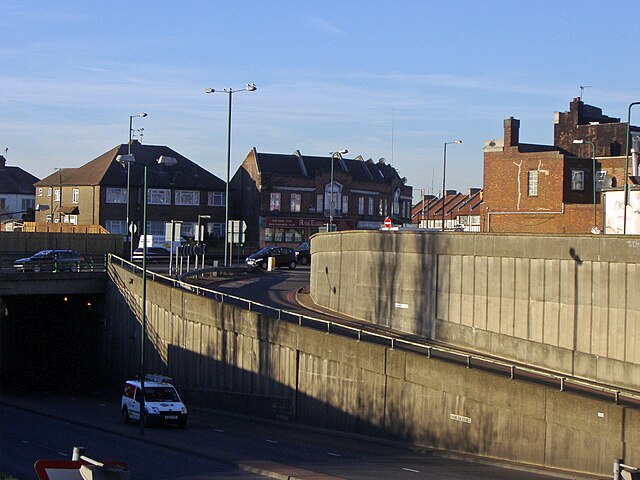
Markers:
<point>293,231</point>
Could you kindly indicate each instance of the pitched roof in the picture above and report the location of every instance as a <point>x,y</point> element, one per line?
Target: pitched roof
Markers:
<point>14,180</point>
<point>298,165</point>
<point>106,170</point>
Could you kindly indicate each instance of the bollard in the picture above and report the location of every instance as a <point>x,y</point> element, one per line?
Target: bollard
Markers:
<point>271,264</point>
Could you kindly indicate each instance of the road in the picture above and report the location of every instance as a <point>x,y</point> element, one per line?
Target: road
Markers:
<point>213,445</point>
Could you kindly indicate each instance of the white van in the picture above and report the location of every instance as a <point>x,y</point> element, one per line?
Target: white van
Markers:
<point>161,400</point>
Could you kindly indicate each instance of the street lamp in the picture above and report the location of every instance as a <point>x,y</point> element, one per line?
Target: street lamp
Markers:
<point>626,171</point>
<point>593,160</point>
<point>199,236</point>
<point>444,174</point>
<point>128,231</point>
<point>251,87</point>
<point>338,154</point>
<point>168,161</point>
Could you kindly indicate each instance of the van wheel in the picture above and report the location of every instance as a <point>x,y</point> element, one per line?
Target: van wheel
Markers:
<point>292,265</point>
<point>125,415</point>
<point>36,268</point>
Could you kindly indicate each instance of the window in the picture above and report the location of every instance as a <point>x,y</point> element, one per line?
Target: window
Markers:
<point>159,196</point>
<point>345,204</point>
<point>117,227</point>
<point>319,203</point>
<point>215,229</point>
<point>28,203</point>
<point>274,201</point>
<point>216,199</point>
<point>295,202</point>
<point>56,195</point>
<point>577,180</point>
<point>76,195</point>
<point>49,191</point>
<point>332,203</point>
<point>533,183</point>
<point>156,228</point>
<point>116,195</point>
<point>39,191</point>
<point>187,197</point>
<point>371,206</point>
<point>601,180</point>
<point>360,205</point>
<point>396,202</point>
<point>188,229</point>
<point>72,219</point>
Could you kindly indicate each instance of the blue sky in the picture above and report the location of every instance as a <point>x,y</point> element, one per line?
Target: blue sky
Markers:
<point>391,80</point>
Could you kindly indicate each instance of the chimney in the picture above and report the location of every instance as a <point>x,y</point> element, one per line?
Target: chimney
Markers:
<point>511,132</point>
<point>3,161</point>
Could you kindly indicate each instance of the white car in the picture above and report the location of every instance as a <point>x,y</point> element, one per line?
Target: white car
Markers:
<point>161,401</point>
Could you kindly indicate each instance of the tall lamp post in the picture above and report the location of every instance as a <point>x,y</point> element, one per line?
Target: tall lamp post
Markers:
<point>251,87</point>
<point>626,171</point>
<point>129,232</point>
<point>444,175</point>
<point>338,154</point>
<point>594,229</point>
<point>167,161</point>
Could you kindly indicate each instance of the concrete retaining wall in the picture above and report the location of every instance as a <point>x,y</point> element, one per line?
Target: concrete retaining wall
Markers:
<point>568,303</point>
<point>227,358</point>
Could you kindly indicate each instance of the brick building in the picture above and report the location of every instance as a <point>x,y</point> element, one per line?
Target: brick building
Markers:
<point>550,188</point>
<point>461,211</point>
<point>96,193</point>
<point>286,198</point>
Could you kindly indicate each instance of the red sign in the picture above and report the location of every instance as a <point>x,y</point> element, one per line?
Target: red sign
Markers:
<point>65,469</point>
<point>387,222</point>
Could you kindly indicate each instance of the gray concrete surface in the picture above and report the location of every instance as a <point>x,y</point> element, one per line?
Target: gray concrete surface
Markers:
<point>240,361</point>
<point>568,303</point>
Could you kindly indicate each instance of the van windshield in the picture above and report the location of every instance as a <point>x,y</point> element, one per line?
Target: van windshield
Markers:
<point>160,394</point>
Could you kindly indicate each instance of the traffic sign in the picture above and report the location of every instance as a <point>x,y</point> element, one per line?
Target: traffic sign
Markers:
<point>387,222</point>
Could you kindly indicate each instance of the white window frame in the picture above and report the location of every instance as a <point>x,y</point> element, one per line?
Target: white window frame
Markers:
<point>190,198</point>
<point>39,191</point>
<point>158,196</point>
<point>577,180</point>
<point>56,195</point>
<point>215,199</point>
<point>360,205</point>
<point>345,204</point>
<point>296,201</point>
<point>116,195</point>
<point>371,206</point>
<point>75,195</point>
<point>275,201</point>
<point>117,227</point>
<point>533,178</point>
<point>49,190</point>
<point>319,201</point>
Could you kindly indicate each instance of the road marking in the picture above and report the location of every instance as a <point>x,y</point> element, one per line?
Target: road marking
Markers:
<point>26,442</point>
<point>271,441</point>
<point>218,430</point>
<point>334,454</point>
<point>62,454</point>
<point>411,470</point>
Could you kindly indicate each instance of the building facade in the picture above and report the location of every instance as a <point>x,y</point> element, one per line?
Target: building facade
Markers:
<point>16,192</point>
<point>555,188</point>
<point>461,211</point>
<point>286,198</point>
<point>96,193</point>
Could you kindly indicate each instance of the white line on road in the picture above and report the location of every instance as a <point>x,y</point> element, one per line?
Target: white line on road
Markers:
<point>334,454</point>
<point>411,470</point>
<point>218,430</point>
<point>271,441</point>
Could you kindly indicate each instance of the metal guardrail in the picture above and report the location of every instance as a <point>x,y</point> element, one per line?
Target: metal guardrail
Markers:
<point>531,373</point>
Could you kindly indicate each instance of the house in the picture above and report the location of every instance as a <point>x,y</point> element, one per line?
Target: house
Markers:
<point>16,192</point>
<point>555,188</point>
<point>286,198</point>
<point>96,192</point>
<point>461,211</point>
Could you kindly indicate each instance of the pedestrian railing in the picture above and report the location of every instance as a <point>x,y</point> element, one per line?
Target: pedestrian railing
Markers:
<point>372,334</point>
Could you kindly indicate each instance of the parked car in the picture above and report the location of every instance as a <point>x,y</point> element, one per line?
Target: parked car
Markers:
<point>303,253</point>
<point>50,261</point>
<point>285,257</point>
<point>154,254</point>
<point>162,404</point>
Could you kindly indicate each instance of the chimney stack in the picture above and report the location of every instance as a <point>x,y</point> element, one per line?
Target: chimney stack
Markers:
<point>511,132</point>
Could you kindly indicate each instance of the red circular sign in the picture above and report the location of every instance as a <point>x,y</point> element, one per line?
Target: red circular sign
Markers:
<point>387,222</point>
